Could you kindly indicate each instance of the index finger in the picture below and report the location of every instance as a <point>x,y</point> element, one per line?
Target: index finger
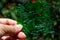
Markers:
<point>7,21</point>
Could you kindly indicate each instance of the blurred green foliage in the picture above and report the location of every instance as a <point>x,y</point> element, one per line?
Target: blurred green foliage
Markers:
<point>40,18</point>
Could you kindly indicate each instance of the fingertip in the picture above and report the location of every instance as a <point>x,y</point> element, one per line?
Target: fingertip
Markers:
<point>18,28</point>
<point>21,35</point>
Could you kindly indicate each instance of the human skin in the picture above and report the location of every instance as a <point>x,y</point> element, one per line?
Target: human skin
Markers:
<point>10,30</point>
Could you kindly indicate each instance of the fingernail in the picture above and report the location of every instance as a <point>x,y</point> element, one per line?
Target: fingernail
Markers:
<point>20,25</point>
<point>15,22</point>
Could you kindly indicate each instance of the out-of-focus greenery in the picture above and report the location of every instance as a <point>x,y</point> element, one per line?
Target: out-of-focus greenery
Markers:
<point>40,18</point>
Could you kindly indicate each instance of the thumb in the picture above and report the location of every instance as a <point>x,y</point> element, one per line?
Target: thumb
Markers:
<point>6,29</point>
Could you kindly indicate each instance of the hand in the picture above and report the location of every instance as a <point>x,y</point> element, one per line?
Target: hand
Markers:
<point>9,30</point>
